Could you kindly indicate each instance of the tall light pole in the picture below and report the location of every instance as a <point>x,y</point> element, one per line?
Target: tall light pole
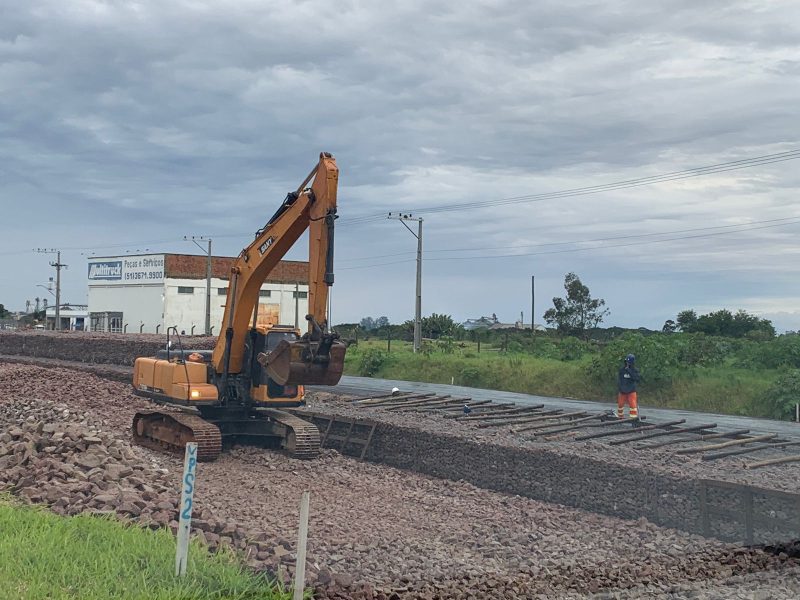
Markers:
<point>418,312</point>
<point>58,265</point>
<point>208,275</point>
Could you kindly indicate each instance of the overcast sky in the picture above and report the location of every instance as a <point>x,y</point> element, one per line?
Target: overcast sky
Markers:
<point>126,125</point>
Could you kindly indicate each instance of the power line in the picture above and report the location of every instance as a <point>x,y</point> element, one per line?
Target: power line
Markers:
<point>786,220</point>
<point>723,167</point>
<point>619,185</point>
<point>639,243</point>
<point>570,250</point>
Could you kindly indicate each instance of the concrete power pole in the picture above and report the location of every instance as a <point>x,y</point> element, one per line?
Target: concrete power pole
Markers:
<point>58,265</point>
<point>533,298</point>
<point>418,304</point>
<point>208,275</point>
<point>297,305</point>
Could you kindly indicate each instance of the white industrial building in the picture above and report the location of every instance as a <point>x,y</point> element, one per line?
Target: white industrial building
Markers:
<point>149,292</point>
<point>74,317</point>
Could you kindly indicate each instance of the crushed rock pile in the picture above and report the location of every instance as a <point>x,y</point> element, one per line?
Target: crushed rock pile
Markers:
<point>375,532</point>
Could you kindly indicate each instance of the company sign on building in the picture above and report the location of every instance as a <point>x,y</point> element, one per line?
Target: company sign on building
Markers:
<point>133,270</point>
<point>148,293</point>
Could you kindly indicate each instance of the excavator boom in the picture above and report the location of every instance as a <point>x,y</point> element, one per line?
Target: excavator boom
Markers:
<point>318,357</point>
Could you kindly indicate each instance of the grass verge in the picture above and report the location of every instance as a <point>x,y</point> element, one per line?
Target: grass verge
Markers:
<point>46,556</point>
<point>720,389</point>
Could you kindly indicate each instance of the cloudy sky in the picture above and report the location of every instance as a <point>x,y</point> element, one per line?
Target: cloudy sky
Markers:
<point>128,124</point>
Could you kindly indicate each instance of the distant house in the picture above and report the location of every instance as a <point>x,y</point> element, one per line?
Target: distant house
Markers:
<point>493,324</point>
<point>73,317</point>
<point>480,323</point>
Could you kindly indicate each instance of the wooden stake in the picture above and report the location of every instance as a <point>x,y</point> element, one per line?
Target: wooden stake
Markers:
<point>748,450</point>
<point>569,421</point>
<point>742,442</point>
<point>520,419</point>
<point>549,418</point>
<point>602,434</point>
<point>699,438</point>
<point>653,434</point>
<point>504,413</point>
<point>774,461</point>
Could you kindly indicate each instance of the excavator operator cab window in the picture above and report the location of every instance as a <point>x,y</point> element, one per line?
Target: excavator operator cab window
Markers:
<point>274,338</point>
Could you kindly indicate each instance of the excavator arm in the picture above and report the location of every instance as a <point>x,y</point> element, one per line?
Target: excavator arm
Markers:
<point>318,357</point>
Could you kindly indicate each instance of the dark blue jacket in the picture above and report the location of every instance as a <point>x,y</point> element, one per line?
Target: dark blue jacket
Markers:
<point>627,379</point>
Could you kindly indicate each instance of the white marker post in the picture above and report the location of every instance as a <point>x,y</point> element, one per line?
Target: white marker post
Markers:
<point>185,509</point>
<point>302,537</point>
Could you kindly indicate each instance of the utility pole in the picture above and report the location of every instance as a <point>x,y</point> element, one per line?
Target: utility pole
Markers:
<point>297,305</point>
<point>58,265</point>
<point>195,239</point>
<point>418,304</point>
<point>533,298</point>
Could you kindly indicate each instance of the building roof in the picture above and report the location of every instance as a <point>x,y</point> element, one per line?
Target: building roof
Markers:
<point>193,266</point>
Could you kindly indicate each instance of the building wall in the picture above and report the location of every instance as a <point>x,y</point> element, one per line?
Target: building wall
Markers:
<point>140,305</point>
<point>145,290</point>
<point>187,309</point>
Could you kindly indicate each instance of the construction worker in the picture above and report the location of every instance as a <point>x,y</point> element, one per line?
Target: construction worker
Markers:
<point>627,379</point>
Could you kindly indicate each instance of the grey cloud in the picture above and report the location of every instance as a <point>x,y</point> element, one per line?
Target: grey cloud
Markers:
<point>145,121</point>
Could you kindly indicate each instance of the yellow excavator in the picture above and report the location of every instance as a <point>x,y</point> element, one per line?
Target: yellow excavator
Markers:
<point>235,393</point>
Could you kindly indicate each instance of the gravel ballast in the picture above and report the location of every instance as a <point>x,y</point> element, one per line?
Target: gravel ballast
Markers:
<point>375,531</point>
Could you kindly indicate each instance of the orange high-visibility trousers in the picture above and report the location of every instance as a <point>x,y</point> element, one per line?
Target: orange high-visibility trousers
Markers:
<point>631,400</point>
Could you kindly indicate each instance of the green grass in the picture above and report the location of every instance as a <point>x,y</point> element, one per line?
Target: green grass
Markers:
<point>720,389</point>
<point>46,556</point>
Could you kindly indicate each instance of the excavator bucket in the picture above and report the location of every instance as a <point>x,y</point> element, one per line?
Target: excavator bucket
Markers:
<point>303,362</point>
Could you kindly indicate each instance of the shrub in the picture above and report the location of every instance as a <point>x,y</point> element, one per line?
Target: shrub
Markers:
<point>371,362</point>
<point>781,397</point>
<point>446,344</point>
<point>470,376</point>
<point>783,351</point>
<point>700,350</point>
<point>571,348</point>
<point>656,358</point>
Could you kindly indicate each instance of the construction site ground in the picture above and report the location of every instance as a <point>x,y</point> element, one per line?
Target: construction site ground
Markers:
<point>377,531</point>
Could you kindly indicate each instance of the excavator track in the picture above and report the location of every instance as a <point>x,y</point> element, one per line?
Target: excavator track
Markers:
<point>300,438</point>
<point>172,431</point>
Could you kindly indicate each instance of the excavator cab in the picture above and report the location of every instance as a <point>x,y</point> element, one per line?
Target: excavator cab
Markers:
<point>315,359</point>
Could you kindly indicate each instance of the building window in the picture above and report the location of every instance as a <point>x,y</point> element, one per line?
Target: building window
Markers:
<point>264,293</point>
<point>222,291</point>
<point>185,290</point>
<point>300,294</point>
<point>115,324</point>
<point>106,321</point>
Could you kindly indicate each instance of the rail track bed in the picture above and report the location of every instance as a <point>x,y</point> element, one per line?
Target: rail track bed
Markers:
<point>376,532</point>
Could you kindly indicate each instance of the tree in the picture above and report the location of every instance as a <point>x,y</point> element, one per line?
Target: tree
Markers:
<point>577,312</point>
<point>381,322</point>
<point>436,326</point>
<point>669,326</point>
<point>3,312</point>
<point>367,323</point>
<point>724,323</point>
<point>686,320</point>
